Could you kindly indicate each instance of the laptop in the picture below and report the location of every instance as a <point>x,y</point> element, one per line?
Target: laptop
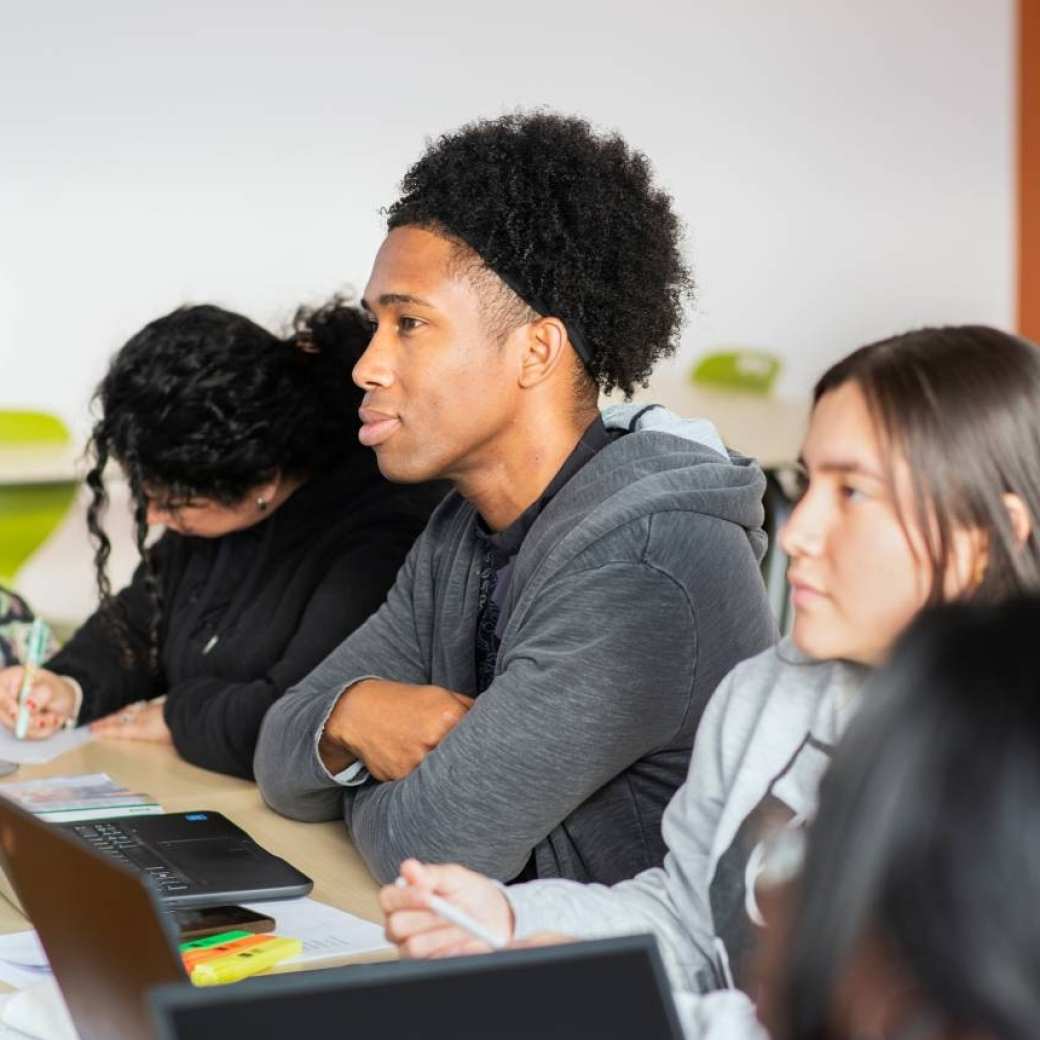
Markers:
<point>581,991</point>
<point>100,923</point>
<point>194,859</point>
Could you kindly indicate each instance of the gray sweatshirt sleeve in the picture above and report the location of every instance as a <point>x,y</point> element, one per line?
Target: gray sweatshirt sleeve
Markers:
<point>670,901</point>
<point>289,771</point>
<point>543,737</point>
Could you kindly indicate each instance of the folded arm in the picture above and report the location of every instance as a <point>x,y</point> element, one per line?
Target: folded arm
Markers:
<point>573,706</point>
<point>293,777</point>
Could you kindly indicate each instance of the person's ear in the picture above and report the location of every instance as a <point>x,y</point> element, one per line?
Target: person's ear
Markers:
<point>543,347</point>
<point>264,494</point>
<point>969,558</point>
<point>1021,521</point>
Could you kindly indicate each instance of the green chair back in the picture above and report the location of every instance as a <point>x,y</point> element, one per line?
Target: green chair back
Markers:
<point>753,371</point>
<point>26,429</point>
<point>29,512</point>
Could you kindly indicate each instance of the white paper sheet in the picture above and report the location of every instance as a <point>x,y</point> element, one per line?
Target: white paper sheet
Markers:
<point>22,960</point>
<point>37,1011</point>
<point>36,752</point>
<point>325,931</point>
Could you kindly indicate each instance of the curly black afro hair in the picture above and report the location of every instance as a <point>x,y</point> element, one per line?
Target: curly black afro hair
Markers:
<point>571,219</point>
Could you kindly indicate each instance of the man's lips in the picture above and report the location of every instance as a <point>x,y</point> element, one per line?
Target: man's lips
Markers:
<point>376,427</point>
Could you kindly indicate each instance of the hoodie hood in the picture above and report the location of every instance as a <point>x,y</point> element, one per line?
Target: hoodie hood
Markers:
<point>646,417</point>
<point>663,463</point>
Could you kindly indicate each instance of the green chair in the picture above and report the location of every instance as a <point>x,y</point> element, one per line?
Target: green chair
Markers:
<point>750,371</point>
<point>30,510</point>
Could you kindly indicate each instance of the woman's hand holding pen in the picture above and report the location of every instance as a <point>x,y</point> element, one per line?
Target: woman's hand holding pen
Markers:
<point>420,932</point>
<point>52,700</point>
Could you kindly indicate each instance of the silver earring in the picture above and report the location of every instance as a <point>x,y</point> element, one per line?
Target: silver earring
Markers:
<point>261,504</point>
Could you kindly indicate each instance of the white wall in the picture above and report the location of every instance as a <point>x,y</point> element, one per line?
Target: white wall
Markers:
<point>845,167</point>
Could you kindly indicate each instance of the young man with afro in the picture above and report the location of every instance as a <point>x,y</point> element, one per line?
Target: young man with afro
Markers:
<point>526,700</point>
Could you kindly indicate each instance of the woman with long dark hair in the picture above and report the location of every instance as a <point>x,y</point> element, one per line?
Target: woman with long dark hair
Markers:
<point>922,486</point>
<point>281,535</point>
<point>914,914</point>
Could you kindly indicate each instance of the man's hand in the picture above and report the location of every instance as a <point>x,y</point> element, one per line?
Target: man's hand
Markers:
<point>390,726</point>
<point>419,932</point>
<point>141,721</point>
<point>52,700</point>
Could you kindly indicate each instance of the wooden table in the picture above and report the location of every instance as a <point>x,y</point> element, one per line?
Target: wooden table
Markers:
<point>321,850</point>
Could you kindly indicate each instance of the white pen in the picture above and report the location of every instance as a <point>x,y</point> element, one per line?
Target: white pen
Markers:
<point>38,636</point>
<point>442,908</point>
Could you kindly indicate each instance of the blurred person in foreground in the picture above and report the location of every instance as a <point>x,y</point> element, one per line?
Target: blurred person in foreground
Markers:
<point>914,913</point>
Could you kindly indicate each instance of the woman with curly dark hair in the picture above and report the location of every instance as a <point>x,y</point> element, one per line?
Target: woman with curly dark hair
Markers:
<point>281,536</point>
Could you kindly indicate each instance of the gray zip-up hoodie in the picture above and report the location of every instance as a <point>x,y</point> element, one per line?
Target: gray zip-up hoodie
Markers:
<point>633,594</point>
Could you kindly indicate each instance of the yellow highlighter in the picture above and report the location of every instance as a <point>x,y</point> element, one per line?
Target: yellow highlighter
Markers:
<point>237,966</point>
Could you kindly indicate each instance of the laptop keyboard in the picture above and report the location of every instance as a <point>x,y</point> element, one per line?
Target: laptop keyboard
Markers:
<point>111,840</point>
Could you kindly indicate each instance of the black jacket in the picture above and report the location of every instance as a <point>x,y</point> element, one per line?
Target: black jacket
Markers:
<point>248,615</point>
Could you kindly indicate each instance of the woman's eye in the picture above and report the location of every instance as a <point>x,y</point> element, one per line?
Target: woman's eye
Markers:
<point>853,494</point>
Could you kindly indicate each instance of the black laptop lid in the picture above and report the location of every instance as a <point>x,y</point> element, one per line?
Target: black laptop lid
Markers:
<point>608,988</point>
<point>100,924</point>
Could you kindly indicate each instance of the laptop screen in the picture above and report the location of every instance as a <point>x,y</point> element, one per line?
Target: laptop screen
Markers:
<point>613,987</point>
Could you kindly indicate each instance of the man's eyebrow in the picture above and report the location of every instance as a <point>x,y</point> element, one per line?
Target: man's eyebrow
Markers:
<point>390,299</point>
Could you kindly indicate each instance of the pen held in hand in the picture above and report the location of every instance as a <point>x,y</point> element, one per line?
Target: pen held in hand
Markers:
<point>38,636</point>
<point>442,908</point>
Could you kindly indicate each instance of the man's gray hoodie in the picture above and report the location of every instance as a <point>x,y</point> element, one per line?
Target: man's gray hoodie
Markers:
<point>635,591</point>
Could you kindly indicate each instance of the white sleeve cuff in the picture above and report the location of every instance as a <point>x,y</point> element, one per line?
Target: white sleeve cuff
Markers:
<point>356,773</point>
<point>353,776</point>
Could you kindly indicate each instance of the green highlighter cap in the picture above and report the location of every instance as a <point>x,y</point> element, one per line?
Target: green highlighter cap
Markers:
<point>214,940</point>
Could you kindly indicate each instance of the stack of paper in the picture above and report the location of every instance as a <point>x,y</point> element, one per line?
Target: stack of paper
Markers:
<point>88,796</point>
<point>325,931</point>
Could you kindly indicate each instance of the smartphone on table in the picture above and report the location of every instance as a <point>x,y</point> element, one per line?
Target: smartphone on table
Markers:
<point>212,920</point>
